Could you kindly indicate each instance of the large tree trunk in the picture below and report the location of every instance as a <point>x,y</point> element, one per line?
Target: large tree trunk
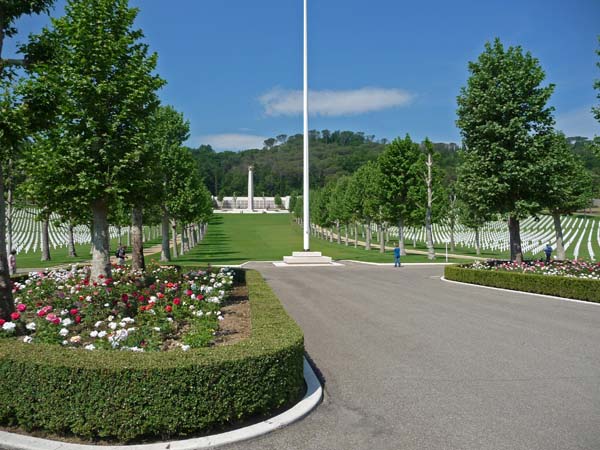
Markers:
<point>381,239</point>
<point>401,236</point>
<point>183,239</point>
<point>45,240</point>
<point>174,230</point>
<point>137,239</point>
<point>7,305</point>
<point>165,253</point>
<point>100,241</point>
<point>560,246</point>
<point>120,235</point>
<point>72,252</point>
<point>339,231</point>
<point>355,234</point>
<point>346,233</point>
<point>9,211</point>
<point>477,242</point>
<point>452,227</point>
<point>368,236</point>
<point>514,231</point>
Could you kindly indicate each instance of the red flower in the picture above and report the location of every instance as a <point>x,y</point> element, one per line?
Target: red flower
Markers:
<point>189,292</point>
<point>21,307</point>
<point>15,316</point>
<point>199,297</point>
<point>176,301</point>
<point>74,311</point>
<point>124,298</point>
<point>2,322</point>
<point>160,295</point>
<point>77,319</point>
<point>168,308</point>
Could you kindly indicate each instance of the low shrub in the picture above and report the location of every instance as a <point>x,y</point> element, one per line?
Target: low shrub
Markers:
<point>568,287</point>
<point>129,396</point>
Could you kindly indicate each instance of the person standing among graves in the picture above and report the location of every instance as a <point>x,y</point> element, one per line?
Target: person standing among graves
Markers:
<point>548,252</point>
<point>397,255</point>
<point>121,255</point>
<point>12,262</point>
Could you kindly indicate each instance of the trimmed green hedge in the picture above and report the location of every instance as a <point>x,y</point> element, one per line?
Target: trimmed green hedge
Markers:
<point>131,396</point>
<point>577,288</point>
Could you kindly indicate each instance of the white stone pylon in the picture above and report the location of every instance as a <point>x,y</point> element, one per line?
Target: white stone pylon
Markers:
<point>250,188</point>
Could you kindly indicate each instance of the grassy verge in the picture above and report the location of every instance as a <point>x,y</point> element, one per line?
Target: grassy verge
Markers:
<point>237,238</point>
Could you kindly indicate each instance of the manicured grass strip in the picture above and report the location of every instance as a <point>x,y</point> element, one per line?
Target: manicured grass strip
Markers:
<point>128,396</point>
<point>238,238</point>
<point>576,288</point>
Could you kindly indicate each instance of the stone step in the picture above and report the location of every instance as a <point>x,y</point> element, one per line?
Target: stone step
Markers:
<point>307,260</point>
<point>302,254</point>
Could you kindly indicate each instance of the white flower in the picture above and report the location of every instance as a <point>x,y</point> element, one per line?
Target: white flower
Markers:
<point>64,342</point>
<point>156,328</point>
<point>123,324</point>
<point>63,332</point>
<point>90,347</point>
<point>94,334</point>
<point>30,326</point>
<point>97,324</point>
<point>170,319</point>
<point>221,318</point>
<point>66,322</point>
<point>199,313</point>
<point>8,326</point>
<point>88,298</point>
<point>152,299</point>
<point>28,339</point>
<point>110,318</point>
<point>101,334</point>
<point>64,312</point>
<point>185,348</point>
<point>112,325</point>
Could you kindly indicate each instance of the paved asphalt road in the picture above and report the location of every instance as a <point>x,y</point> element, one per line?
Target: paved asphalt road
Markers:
<point>413,362</point>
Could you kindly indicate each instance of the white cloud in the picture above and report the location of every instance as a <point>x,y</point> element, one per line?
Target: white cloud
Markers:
<point>280,102</point>
<point>231,141</point>
<point>578,122</point>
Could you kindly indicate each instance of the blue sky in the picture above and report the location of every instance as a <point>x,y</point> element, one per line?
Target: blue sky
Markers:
<point>385,67</point>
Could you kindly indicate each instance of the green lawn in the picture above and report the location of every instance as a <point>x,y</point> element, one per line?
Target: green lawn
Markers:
<point>237,238</point>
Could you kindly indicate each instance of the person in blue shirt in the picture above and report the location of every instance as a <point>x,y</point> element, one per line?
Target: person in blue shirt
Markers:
<point>548,252</point>
<point>397,255</point>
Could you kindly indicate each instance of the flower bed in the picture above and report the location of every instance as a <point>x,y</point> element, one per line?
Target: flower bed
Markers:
<point>569,269</point>
<point>129,396</point>
<point>577,280</point>
<point>161,309</point>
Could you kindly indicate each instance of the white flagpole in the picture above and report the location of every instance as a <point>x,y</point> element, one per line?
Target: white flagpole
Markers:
<point>305,198</point>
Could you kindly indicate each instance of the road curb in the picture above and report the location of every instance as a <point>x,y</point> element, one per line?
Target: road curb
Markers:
<point>313,396</point>
<point>521,292</point>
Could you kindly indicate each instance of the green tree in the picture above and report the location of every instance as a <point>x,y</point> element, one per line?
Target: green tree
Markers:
<point>596,109</point>
<point>339,209</point>
<point>103,79</point>
<point>568,185</point>
<point>504,120</point>
<point>400,184</point>
<point>13,124</point>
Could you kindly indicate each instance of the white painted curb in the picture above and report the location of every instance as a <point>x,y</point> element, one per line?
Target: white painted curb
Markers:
<point>402,264</point>
<point>314,393</point>
<point>521,292</point>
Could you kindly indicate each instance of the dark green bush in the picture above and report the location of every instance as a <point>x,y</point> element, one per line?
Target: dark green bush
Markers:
<point>129,396</point>
<point>577,288</point>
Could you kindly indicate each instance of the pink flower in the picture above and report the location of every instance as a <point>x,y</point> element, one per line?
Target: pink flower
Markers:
<point>168,308</point>
<point>15,316</point>
<point>21,307</point>
<point>53,318</point>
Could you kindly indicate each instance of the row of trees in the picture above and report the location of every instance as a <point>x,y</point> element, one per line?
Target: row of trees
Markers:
<point>85,133</point>
<point>513,164</point>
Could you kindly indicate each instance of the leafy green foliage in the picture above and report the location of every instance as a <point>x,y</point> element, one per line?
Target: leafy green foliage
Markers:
<point>504,121</point>
<point>125,396</point>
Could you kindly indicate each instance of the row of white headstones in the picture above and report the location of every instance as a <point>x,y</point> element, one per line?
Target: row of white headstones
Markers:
<point>27,232</point>
<point>580,235</point>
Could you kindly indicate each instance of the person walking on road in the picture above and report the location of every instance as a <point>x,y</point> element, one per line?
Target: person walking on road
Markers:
<point>397,255</point>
